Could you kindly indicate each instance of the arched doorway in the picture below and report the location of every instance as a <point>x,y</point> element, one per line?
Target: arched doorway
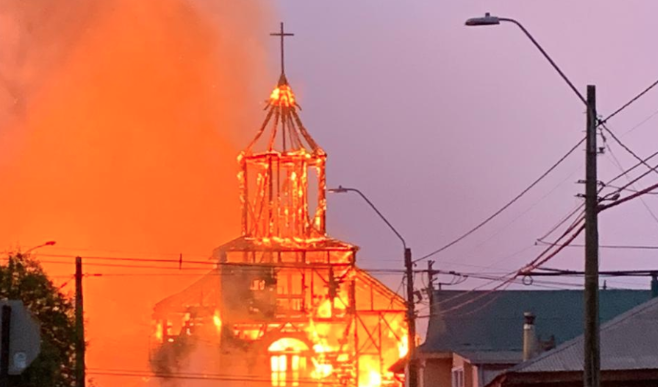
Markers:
<point>288,361</point>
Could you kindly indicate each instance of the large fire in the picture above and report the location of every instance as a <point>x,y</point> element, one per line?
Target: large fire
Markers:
<point>282,96</point>
<point>120,121</point>
<point>323,354</point>
<point>295,309</point>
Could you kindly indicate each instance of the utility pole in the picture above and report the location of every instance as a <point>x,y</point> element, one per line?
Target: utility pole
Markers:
<point>5,331</point>
<point>79,327</point>
<point>592,350</point>
<point>412,373</point>
<point>430,283</point>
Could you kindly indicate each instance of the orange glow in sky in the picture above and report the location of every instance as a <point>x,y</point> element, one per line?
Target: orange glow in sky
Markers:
<point>120,122</point>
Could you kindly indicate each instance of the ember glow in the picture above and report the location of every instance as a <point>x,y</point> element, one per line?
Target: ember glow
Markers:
<point>217,320</point>
<point>282,96</point>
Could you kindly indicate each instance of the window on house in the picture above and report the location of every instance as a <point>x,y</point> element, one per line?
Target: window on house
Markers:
<point>458,377</point>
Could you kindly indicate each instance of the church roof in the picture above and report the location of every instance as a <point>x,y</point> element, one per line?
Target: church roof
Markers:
<point>282,129</point>
<point>245,243</point>
<point>203,292</point>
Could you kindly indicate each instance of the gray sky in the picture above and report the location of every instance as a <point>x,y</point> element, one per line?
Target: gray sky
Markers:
<point>440,124</point>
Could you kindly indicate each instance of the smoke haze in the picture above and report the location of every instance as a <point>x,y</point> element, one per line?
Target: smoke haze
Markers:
<point>120,122</point>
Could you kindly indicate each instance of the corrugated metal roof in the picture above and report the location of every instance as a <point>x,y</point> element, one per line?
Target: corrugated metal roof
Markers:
<point>493,321</point>
<point>628,342</point>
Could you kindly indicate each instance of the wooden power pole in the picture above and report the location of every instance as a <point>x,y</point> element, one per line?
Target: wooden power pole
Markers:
<point>412,373</point>
<point>79,327</point>
<point>592,351</point>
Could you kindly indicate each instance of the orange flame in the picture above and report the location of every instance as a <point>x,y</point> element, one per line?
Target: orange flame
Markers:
<point>282,96</point>
<point>159,332</point>
<point>217,320</point>
<point>104,103</point>
<point>325,309</point>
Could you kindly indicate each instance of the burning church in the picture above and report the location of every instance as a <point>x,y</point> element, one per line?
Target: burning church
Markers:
<point>285,304</point>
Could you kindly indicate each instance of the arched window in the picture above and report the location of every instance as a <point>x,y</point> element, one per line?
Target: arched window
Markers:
<point>287,361</point>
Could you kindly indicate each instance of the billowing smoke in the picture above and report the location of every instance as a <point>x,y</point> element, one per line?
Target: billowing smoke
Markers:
<point>120,122</point>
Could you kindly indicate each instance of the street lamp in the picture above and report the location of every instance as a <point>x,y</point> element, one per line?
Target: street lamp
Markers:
<point>49,243</point>
<point>591,350</point>
<point>412,374</point>
<point>489,20</point>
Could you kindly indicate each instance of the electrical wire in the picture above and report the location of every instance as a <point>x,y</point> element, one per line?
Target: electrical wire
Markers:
<point>564,220</point>
<point>629,170</point>
<point>652,115</point>
<point>503,208</point>
<point>624,106</point>
<point>630,102</point>
<point>628,198</point>
<point>197,376</point>
<point>619,247</point>
<point>621,168</point>
<point>627,149</point>
<point>600,123</point>
<point>209,265</point>
<point>629,189</point>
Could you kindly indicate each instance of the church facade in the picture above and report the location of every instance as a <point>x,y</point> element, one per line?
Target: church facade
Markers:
<point>285,304</point>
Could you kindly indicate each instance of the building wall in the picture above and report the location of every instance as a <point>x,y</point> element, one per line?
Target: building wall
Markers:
<point>459,362</point>
<point>437,373</point>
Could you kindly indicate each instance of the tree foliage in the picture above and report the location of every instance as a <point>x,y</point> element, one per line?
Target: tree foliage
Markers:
<point>23,278</point>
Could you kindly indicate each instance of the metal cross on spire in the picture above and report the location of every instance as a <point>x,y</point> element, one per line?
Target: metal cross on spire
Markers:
<point>282,34</point>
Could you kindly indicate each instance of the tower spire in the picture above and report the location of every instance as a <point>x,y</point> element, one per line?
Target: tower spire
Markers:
<point>282,34</point>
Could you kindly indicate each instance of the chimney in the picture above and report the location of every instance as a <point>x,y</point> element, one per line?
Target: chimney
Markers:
<point>530,341</point>
<point>654,285</point>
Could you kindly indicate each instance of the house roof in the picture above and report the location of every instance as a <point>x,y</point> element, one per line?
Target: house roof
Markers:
<point>492,357</point>
<point>469,321</point>
<point>628,342</point>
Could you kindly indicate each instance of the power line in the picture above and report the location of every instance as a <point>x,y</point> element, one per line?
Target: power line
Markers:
<point>513,221</point>
<point>506,206</point>
<point>564,220</point>
<point>629,103</point>
<point>644,121</point>
<point>629,170</point>
<point>489,277</point>
<point>541,258</point>
<point>603,186</point>
<point>618,163</point>
<point>196,376</point>
<point>604,207</point>
<point>627,149</point>
<point>203,270</point>
<point>549,272</point>
<point>618,247</point>
<point>600,123</point>
<point>629,189</point>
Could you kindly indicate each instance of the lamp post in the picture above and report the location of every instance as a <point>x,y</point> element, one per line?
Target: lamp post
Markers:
<point>592,352</point>
<point>412,370</point>
<point>49,243</point>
